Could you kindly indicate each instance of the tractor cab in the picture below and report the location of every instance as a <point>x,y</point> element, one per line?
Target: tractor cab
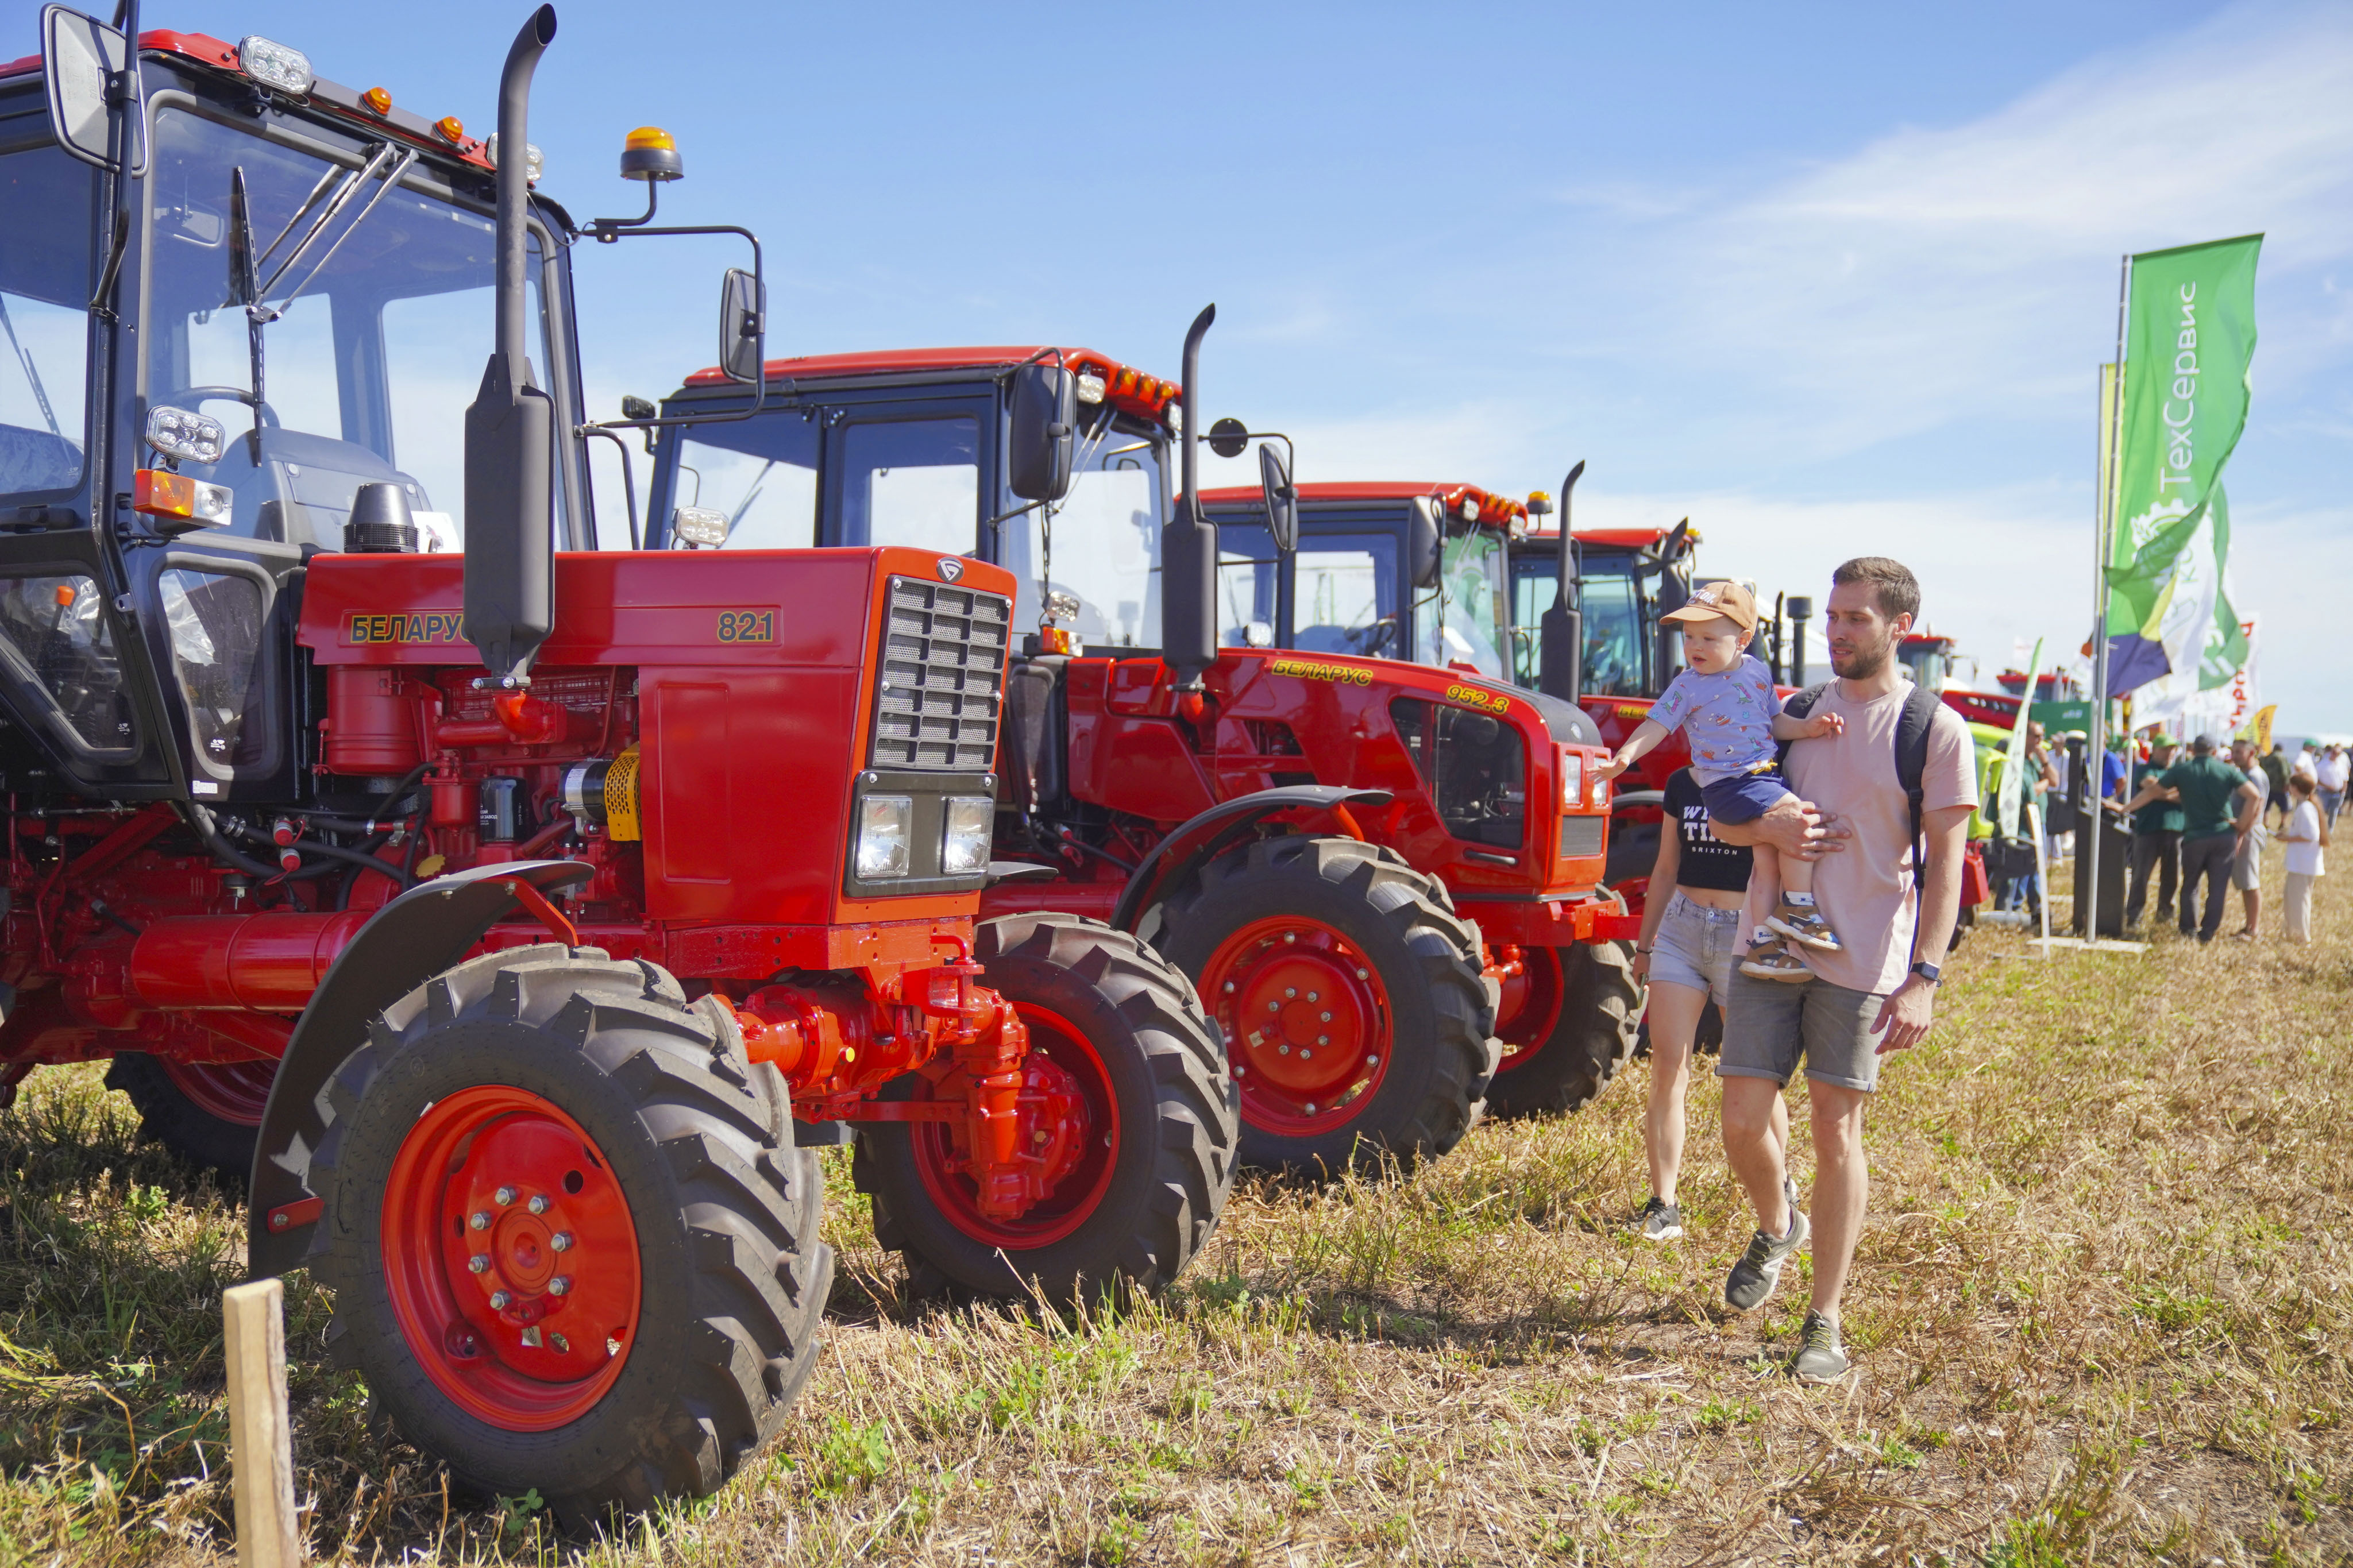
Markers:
<point>1413,572</point>
<point>913,447</point>
<point>1626,579</point>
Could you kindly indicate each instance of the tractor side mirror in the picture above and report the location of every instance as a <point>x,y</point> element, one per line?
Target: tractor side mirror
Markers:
<point>80,57</point>
<point>1424,537</point>
<point>743,326</point>
<point>1281,497</point>
<point>1045,416</point>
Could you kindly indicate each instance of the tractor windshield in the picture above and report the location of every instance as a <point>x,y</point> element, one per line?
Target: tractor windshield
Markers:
<point>372,321</point>
<point>1105,540</point>
<point>1612,607</point>
<point>45,281</point>
<point>1345,595</point>
<point>1466,629</point>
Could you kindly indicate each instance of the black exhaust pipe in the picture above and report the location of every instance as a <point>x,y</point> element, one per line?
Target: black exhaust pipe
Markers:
<point>510,428</point>
<point>1560,639</point>
<point>1189,544</point>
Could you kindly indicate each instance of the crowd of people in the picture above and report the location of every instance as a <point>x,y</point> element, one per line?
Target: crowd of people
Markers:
<point>1849,806</point>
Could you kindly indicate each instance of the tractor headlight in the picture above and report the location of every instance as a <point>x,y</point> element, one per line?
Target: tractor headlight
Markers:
<point>185,436</point>
<point>883,821</point>
<point>1601,790</point>
<point>1572,780</point>
<point>274,64</point>
<point>700,526</point>
<point>964,840</point>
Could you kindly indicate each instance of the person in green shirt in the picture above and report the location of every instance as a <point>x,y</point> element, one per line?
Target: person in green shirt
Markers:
<point>2156,839</point>
<point>2219,807</point>
<point>2274,766</point>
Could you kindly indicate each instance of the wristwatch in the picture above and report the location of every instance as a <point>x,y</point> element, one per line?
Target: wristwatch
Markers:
<point>1926,971</point>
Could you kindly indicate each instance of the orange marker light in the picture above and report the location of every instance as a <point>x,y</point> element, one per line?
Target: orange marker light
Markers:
<point>377,99</point>
<point>452,129</point>
<point>159,493</point>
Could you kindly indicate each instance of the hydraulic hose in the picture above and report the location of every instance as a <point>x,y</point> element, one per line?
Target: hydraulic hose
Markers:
<point>223,850</point>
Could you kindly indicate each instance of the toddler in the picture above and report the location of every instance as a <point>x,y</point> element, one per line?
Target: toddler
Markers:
<point>1724,705</point>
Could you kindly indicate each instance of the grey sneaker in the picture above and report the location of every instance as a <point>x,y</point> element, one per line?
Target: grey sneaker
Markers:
<point>1662,1221</point>
<point>1803,926</point>
<point>1759,1268</point>
<point>1820,1358</point>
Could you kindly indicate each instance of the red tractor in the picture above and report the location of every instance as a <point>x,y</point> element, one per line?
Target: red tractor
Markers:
<point>1311,839</point>
<point>500,916</point>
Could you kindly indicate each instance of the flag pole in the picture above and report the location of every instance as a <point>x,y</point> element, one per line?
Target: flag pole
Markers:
<point>2103,519</point>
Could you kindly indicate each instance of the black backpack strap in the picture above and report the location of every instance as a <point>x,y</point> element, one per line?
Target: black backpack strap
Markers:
<point>1799,705</point>
<point>1913,728</point>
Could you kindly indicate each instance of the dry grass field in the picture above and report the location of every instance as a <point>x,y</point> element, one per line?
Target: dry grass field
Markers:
<point>2101,1315</point>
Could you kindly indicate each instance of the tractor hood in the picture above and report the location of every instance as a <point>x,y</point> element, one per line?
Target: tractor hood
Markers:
<point>1566,721</point>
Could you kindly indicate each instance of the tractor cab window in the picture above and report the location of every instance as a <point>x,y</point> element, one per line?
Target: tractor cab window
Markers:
<point>56,635</point>
<point>761,472</point>
<point>1610,601</point>
<point>1247,585</point>
<point>1104,539</point>
<point>1345,595</point>
<point>1465,627</point>
<point>911,481</point>
<point>45,281</point>
<point>366,343</point>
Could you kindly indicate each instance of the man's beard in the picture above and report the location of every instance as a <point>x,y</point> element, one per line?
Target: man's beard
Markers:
<point>1862,663</point>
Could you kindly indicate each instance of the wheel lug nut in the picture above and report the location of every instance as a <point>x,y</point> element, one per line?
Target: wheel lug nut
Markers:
<point>1290,936</point>
<point>1372,1061</point>
<point>1291,991</point>
<point>1313,997</point>
<point>479,1264</point>
<point>480,1221</point>
<point>1274,1006</point>
<point>1322,1039</point>
<point>1306,1055</point>
<point>501,1301</point>
<point>1283,1050</point>
<point>1230,987</point>
<point>506,1195</point>
<point>1327,1017</point>
<point>538,1203</point>
<point>559,1286</point>
<point>1364,975</point>
<point>561,1241</point>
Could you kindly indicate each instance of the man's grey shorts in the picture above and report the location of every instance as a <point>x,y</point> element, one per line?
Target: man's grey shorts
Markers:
<point>1772,1024</point>
<point>2247,862</point>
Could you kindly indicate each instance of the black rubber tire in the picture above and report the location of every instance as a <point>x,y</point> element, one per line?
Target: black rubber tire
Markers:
<point>1168,1077</point>
<point>1595,1035</point>
<point>167,1115</point>
<point>1443,1051</point>
<point>735,1278</point>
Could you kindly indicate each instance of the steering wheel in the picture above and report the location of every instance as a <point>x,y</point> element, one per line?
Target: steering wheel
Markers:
<point>196,397</point>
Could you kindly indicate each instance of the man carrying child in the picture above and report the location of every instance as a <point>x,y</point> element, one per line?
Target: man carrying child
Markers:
<point>1876,991</point>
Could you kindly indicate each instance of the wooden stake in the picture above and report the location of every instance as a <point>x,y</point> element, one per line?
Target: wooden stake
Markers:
<point>261,1437</point>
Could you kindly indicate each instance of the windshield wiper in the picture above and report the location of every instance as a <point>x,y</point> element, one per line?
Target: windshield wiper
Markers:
<point>386,164</point>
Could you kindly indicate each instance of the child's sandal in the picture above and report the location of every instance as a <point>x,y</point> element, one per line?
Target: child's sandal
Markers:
<point>1774,961</point>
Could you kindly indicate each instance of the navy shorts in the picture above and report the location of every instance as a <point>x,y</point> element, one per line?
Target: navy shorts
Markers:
<point>1744,797</point>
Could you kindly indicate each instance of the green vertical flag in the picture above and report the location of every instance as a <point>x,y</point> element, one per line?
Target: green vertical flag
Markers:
<point>2188,339</point>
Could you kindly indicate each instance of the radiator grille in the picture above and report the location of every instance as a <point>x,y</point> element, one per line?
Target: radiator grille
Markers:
<point>943,679</point>
<point>1581,835</point>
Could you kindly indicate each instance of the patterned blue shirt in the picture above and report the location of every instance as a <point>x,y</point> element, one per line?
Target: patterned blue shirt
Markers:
<point>1727,719</point>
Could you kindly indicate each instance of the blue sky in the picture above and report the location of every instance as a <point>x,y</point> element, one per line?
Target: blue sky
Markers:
<point>1828,279</point>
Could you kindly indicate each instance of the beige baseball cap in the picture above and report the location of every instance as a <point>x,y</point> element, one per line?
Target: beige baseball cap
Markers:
<point>1709,600</point>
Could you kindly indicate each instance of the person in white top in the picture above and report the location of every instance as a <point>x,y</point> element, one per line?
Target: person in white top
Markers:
<point>2335,767</point>
<point>2305,836</point>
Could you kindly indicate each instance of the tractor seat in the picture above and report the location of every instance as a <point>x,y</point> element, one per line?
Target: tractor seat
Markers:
<point>301,491</point>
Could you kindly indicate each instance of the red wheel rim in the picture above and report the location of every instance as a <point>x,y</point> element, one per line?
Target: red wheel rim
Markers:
<point>227,1091</point>
<point>500,1173</point>
<point>1307,1022</point>
<point>1530,1008</point>
<point>1070,1136</point>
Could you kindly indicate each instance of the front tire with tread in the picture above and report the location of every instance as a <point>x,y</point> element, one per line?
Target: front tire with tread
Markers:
<point>1595,1033</point>
<point>735,1279</point>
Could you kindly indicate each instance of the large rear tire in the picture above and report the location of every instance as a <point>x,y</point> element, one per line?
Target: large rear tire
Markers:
<point>546,1114</point>
<point>1591,1033</point>
<point>1143,1122</point>
<point>1350,996</point>
<point>207,1113</point>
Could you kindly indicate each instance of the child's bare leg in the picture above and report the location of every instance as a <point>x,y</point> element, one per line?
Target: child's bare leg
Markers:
<point>1798,876</point>
<point>1764,892</point>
